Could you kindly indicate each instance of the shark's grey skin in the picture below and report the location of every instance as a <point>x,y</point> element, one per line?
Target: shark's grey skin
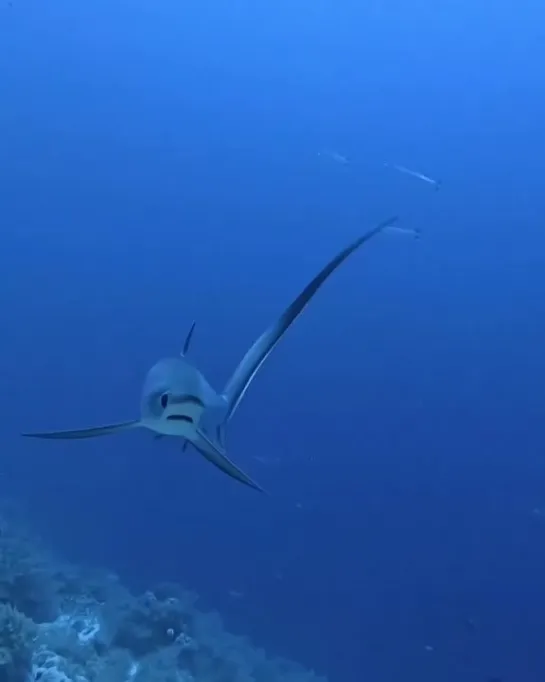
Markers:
<point>178,401</point>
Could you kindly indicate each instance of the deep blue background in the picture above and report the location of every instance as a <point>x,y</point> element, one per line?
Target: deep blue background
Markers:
<point>159,162</point>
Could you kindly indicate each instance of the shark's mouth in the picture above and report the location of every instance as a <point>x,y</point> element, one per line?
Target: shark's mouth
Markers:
<point>180,418</point>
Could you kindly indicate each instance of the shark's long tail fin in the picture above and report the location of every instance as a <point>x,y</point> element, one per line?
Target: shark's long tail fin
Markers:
<point>257,354</point>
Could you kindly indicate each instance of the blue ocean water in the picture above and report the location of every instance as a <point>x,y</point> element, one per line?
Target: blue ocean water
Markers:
<point>164,162</point>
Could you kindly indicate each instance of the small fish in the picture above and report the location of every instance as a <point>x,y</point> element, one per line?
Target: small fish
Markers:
<point>415,174</point>
<point>412,231</point>
<point>263,459</point>
<point>177,400</point>
<point>334,156</point>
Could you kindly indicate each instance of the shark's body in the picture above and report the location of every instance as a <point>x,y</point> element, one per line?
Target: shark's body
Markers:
<point>178,401</point>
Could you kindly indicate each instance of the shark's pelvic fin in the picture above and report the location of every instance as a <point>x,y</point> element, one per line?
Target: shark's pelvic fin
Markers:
<point>216,456</point>
<point>265,344</point>
<point>86,433</point>
<point>188,338</point>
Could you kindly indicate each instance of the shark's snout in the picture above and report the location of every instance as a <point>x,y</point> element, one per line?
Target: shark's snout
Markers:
<point>180,412</point>
<point>171,400</point>
<point>181,407</point>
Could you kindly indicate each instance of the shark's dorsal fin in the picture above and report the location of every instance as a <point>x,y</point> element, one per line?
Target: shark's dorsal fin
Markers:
<point>188,338</point>
<point>261,349</point>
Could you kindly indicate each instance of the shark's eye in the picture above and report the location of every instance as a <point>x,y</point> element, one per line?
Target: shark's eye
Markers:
<point>164,400</point>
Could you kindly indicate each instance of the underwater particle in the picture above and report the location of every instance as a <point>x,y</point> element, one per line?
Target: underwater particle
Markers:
<point>470,624</point>
<point>415,174</point>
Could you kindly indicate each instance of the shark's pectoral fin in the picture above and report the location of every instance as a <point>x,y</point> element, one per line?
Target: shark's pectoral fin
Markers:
<point>216,456</point>
<point>93,432</point>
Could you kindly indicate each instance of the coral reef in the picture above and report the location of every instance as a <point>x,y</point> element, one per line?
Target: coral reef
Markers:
<point>61,623</point>
<point>16,644</point>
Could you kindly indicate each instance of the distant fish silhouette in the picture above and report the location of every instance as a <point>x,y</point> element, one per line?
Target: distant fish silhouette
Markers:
<point>411,231</point>
<point>178,401</point>
<point>414,174</point>
<point>334,156</point>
